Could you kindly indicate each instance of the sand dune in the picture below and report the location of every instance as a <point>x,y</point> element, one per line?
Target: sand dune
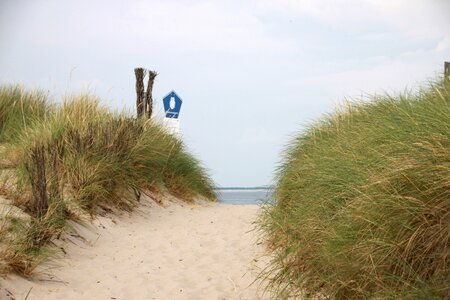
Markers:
<point>178,252</point>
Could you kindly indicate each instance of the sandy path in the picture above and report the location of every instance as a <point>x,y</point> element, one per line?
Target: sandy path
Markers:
<point>190,252</point>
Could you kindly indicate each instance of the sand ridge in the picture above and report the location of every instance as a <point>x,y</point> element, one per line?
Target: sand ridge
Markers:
<point>179,252</point>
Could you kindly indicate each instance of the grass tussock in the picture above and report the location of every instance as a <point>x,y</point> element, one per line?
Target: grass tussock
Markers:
<point>79,156</point>
<point>19,109</point>
<point>363,203</point>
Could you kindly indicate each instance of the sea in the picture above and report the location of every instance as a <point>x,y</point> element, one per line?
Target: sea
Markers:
<point>244,195</point>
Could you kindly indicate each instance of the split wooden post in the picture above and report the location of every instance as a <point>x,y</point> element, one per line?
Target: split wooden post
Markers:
<point>148,94</point>
<point>144,100</point>
<point>140,74</point>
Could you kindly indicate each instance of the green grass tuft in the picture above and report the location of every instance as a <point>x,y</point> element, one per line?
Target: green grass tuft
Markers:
<point>19,109</point>
<point>363,203</point>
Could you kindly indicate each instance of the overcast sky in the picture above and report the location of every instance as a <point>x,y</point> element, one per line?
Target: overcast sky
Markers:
<point>251,73</point>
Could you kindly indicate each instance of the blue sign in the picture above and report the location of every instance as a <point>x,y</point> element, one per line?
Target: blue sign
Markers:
<point>172,105</point>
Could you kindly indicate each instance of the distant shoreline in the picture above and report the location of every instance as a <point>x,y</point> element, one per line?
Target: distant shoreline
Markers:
<point>242,188</point>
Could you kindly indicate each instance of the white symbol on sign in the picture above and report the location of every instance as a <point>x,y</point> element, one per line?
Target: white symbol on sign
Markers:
<point>172,103</point>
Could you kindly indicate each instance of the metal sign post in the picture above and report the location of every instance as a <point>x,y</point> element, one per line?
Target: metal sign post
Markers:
<point>172,106</point>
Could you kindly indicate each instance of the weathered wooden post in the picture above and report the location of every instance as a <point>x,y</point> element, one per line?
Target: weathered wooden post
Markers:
<point>148,94</point>
<point>144,100</point>
<point>38,180</point>
<point>140,74</point>
<point>447,70</point>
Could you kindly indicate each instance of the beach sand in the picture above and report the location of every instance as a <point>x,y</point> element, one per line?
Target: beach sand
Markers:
<point>182,251</point>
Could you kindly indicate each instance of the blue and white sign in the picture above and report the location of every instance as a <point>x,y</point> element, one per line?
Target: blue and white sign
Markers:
<point>172,105</point>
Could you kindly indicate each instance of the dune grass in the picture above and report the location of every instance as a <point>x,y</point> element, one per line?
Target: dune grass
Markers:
<point>19,109</point>
<point>80,157</point>
<point>363,203</point>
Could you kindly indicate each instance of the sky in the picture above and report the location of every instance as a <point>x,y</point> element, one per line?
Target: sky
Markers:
<point>252,74</point>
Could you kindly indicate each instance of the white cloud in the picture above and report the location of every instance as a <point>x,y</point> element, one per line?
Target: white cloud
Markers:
<point>391,75</point>
<point>203,26</point>
<point>420,26</point>
<point>146,26</point>
<point>444,44</point>
<point>326,11</point>
<point>419,19</point>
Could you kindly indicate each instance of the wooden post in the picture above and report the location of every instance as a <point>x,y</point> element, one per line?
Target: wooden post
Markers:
<point>140,74</point>
<point>38,180</point>
<point>447,70</point>
<point>148,94</point>
<point>144,100</point>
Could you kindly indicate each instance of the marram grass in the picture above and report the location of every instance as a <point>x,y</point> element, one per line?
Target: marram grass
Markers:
<point>18,109</point>
<point>79,156</point>
<point>363,203</point>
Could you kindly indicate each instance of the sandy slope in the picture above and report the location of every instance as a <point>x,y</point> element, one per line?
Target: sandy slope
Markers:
<point>178,252</point>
